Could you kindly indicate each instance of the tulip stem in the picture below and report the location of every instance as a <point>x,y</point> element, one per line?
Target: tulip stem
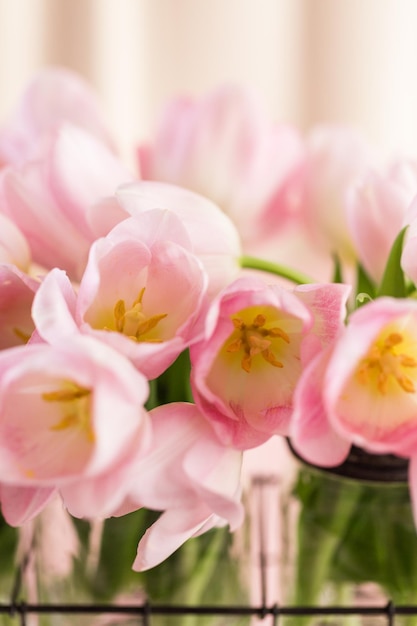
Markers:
<point>294,276</point>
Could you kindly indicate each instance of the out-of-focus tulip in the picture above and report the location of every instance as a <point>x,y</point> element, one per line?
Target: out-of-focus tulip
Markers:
<point>48,199</point>
<point>224,147</point>
<point>376,209</point>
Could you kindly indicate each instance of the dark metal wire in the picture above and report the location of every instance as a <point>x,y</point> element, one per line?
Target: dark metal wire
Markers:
<point>390,611</point>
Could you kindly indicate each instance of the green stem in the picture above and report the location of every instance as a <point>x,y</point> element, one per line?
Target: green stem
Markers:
<point>327,509</point>
<point>294,276</point>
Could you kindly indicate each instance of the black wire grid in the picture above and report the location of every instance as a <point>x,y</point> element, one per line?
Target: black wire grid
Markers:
<point>19,609</point>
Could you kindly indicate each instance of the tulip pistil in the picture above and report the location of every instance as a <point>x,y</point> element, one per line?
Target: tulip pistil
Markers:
<point>133,322</point>
<point>254,339</point>
<point>384,362</point>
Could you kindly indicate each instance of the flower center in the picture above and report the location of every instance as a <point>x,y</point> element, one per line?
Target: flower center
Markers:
<point>385,362</point>
<point>253,339</point>
<point>74,403</point>
<point>132,321</point>
<point>20,334</point>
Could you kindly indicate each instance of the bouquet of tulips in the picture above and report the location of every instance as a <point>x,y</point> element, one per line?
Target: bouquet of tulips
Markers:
<point>240,282</point>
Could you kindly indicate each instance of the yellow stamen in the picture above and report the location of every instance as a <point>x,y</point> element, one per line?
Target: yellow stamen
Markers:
<point>254,339</point>
<point>384,364</point>
<point>75,407</point>
<point>24,337</point>
<point>132,321</point>
<point>66,395</point>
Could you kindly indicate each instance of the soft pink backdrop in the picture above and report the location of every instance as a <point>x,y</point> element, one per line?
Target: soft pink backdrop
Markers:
<point>311,60</point>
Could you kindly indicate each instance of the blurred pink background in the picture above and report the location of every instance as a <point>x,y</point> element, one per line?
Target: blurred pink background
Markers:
<point>348,61</point>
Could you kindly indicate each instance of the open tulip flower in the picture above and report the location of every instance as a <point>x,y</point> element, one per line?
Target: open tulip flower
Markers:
<point>367,387</point>
<point>72,420</point>
<point>257,342</point>
<point>141,293</point>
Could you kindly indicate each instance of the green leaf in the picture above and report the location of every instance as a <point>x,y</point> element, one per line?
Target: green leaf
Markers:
<point>174,384</point>
<point>364,283</point>
<point>393,280</point>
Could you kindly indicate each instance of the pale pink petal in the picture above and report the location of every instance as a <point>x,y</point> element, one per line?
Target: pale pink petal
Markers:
<point>168,533</point>
<point>81,172</point>
<point>337,158</point>
<point>224,147</point>
<point>311,434</point>
<point>55,95</point>
<point>54,305</point>
<point>214,238</point>
<point>102,495</point>
<point>183,458</point>
<point>375,212</point>
<point>409,256</point>
<point>20,504</point>
<point>328,303</point>
<point>53,239</point>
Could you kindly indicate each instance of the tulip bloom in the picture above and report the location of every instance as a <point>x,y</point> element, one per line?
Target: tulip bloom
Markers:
<point>53,97</point>
<point>223,147</point>
<point>212,235</point>
<point>258,339</point>
<point>142,293</point>
<point>376,209</point>
<point>48,199</point>
<point>190,476</point>
<point>409,257</point>
<point>363,391</point>
<point>72,420</point>
<point>337,158</point>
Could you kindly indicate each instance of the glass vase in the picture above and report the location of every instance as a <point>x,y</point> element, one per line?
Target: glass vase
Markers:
<point>350,539</point>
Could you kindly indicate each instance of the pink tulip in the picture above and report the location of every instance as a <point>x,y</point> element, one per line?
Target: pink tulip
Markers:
<point>363,391</point>
<point>258,338</point>
<point>409,257</point>
<point>142,293</point>
<point>17,291</point>
<point>71,416</point>
<point>214,239</point>
<point>49,199</point>
<point>223,147</point>
<point>53,97</point>
<point>337,158</point>
<point>376,208</point>
<point>188,474</point>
